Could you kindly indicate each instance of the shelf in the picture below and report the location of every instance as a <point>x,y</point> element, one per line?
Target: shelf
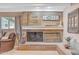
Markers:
<point>48,28</point>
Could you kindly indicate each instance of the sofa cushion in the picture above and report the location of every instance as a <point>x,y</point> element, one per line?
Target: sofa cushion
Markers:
<point>0,35</point>
<point>73,44</point>
<point>4,38</point>
<point>7,34</point>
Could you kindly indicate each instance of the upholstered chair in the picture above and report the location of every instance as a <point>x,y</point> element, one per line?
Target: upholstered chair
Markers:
<point>7,44</point>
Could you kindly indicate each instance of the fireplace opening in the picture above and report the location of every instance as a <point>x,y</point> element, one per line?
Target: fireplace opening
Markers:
<point>35,36</point>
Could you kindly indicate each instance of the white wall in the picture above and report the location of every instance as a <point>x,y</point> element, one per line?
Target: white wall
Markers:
<point>66,11</point>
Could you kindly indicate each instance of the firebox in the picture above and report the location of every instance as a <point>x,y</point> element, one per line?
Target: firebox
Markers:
<point>35,36</point>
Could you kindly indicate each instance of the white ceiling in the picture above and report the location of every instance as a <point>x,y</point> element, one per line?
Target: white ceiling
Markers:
<point>13,7</point>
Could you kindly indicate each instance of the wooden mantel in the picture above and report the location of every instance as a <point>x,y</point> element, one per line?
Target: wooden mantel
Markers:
<point>45,29</point>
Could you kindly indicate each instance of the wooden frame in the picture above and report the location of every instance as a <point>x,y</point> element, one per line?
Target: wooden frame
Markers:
<point>73,21</point>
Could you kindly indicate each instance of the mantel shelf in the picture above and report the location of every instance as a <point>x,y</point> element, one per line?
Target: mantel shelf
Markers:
<point>42,28</point>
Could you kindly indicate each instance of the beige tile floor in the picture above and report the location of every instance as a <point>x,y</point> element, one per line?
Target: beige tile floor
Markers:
<point>13,52</point>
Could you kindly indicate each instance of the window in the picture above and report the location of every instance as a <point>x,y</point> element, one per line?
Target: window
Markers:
<point>7,22</point>
<point>12,22</point>
<point>51,17</point>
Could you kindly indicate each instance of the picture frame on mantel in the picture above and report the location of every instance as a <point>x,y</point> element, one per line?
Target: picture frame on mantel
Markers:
<point>73,21</point>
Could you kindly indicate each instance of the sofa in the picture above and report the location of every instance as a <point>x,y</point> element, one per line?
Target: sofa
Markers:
<point>74,46</point>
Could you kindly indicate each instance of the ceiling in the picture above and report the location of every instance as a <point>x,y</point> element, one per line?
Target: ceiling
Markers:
<point>14,7</point>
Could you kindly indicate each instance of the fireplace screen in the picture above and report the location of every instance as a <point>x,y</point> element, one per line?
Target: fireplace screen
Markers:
<point>35,36</point>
